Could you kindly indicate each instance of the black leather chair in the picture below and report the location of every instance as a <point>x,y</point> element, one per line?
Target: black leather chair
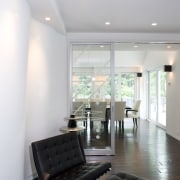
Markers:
<point>62,158</point>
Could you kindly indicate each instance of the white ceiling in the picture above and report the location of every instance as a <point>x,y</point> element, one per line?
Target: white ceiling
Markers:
<point>126,16</point>
<point>134,16</point>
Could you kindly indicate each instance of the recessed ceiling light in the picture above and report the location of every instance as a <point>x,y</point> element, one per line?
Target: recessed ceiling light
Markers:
<point>107,23</point>
<point>47,18</point>
<point>93,78</point>
<point>154,24</point>
<point>168,47</point>
<point>101,46</point>
<point>135,46</point>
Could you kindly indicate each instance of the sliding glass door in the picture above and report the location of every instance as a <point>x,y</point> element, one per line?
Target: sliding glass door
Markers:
<point>153,95</point>
<point>99,78</point>
<point>157,97</point>
<point>162,98</point>
<point>101,74</point>
<point>91,95</point>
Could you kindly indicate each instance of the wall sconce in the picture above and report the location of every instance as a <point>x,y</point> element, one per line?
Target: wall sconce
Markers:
<point>167,68</point>
<point>139,74</point>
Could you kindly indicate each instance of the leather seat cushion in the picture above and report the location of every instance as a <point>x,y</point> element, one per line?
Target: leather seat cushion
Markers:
<point>88,171</point>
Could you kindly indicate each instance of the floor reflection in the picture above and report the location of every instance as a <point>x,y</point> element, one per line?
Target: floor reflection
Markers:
<point>146,151</point>
<point>98,136</point>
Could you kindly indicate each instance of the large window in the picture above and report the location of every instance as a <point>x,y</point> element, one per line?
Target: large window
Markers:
<point>125,87</point>
<point>82,86</point>
<point>91,86</point>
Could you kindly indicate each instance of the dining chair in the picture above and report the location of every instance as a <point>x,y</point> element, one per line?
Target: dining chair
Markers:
<point>98,111</point>
<point>119,112</point>
<point>134,112</point>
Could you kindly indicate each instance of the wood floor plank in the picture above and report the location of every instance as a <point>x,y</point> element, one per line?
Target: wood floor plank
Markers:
<point>146,151</point>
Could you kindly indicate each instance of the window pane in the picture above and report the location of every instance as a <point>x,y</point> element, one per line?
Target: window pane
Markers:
<point>153,95</point>
<point>125,87</point>
<point>162,98</point>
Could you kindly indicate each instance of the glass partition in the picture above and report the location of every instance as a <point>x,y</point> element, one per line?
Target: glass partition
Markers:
<point>91,95</point>
<point>101,74</point>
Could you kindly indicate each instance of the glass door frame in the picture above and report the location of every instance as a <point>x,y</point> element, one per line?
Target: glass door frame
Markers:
<point>157,97</point>
<point>110,151</point>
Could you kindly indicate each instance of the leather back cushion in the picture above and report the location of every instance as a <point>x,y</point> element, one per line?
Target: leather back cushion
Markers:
<point>57,154</point>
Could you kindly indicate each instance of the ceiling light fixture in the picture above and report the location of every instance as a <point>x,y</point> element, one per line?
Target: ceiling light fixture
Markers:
<point>135,46</point>
<point>47,18</point>
<point>93,78</point>
<point>107,23</point>
<point>154,24</point>
<point>168,47</point>
<point>101,46</point>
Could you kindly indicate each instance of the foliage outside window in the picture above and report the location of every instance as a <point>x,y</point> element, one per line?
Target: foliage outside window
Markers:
<point>85,87</point>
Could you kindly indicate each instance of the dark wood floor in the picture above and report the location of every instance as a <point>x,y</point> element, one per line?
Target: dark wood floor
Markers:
<point>148,152</point>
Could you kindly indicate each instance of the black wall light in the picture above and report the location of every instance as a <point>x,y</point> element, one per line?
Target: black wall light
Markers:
<point>139,74</point>
<point>167,68</point>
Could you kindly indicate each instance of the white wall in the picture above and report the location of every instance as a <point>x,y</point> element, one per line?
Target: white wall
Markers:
<point>156,59</point>
<point>173,99</point>
<point>14,33</point>
<point>46,87</point>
